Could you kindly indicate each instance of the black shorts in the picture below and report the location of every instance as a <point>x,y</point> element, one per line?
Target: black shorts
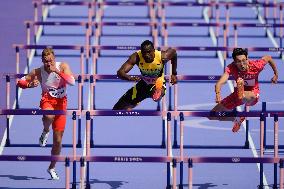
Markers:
<point>135,95</point>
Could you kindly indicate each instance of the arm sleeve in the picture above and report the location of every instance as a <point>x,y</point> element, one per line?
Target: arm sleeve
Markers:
<point>68,78</point>
<point>23,83</point>
<point>259,64</point>
<point>229,69</point>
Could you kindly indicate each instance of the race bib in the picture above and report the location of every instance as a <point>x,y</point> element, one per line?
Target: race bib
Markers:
<point>57,92</point>
<point>249,82</point>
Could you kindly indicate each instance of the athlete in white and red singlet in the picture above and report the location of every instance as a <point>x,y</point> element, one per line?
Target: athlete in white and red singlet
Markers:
<point>53,77</point>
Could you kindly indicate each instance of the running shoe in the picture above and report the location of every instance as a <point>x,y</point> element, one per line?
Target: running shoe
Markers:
<point>237,124</point>
<point>43,138</point>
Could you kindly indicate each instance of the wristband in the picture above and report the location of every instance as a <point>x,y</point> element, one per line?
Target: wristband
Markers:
<point>23,84</point>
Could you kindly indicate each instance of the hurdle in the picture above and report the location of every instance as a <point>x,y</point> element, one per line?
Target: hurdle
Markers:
<point>98,28</point>
<point>216,5</point>
<point>262,115</point>
<point>87,34</point>
<point>40,158</point>
<point>166,25</point>
<point>148,3</point>
<point>73,113</point>
<point>46,4</point>
<point>264,26</point>
<point>18,47</point>
<point>233,160</point>
<point>126,113</point>
<point>114,78</point>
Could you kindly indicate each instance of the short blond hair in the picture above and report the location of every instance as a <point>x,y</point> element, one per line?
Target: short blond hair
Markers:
<point>47,51</point>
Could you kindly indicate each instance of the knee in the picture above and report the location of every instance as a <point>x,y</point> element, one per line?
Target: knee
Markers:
<point>48,117</point>
<point>122,106</point>
<point>115,107</point>
<point>210,118</point>
<point>57,142</point>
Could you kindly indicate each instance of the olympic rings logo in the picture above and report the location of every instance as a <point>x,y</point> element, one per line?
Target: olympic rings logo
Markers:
<point>211,77</point>
<point>221,114</point>
<point>21,158</point>
<point>236,159</point>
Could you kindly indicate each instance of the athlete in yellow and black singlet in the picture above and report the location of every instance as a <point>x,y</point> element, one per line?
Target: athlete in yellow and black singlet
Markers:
<point>151,64</point>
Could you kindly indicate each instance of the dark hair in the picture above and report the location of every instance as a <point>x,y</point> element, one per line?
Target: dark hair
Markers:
<point>47,51</point>
<point>239,51</point>
<point>146,43</point>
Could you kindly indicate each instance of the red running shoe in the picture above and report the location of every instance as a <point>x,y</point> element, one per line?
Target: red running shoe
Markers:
<point>158,93</point>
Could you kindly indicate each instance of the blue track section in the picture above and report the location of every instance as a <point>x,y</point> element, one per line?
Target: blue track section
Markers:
<point>144,136</point>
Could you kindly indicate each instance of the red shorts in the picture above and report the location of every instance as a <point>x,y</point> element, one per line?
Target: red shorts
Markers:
<point>232,101</point>
<point>52,103</point>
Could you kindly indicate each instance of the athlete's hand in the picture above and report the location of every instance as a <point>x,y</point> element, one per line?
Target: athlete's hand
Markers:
<point>53,68</point>
<point>173,79</point>
<point>34,83</point>
<point>218,98</point>
<point>134,78</point>
<point>274,79</point>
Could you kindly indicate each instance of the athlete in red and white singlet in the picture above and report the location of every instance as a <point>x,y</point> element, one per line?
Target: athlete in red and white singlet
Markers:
<point>245,73</point>
<point>53,78</point>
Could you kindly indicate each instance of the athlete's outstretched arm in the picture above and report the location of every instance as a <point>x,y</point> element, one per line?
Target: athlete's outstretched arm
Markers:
<point>272,64</point>
<point>224,78</point>
<point>126,67</point>
<point>171,54</point>
<point>66,73</point>
<point>30,80</point>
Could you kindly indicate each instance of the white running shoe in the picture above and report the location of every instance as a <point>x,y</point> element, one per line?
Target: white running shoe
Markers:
<point>43,138</point>
<point>53,174</point>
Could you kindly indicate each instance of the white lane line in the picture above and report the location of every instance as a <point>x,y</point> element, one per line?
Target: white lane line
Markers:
<point>32,53</point>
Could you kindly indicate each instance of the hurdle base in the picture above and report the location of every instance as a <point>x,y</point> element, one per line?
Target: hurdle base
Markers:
<point>73,185</point>
<point>246,146</point>
<point>169,187</point>
<point>175,145</point>
<point>163,145</point>
<point>79,144</point>
<point>7,143</point>
<point>92,145</point>
<point>88,186</point>
<point>180,186</point>
<point>260,186</point>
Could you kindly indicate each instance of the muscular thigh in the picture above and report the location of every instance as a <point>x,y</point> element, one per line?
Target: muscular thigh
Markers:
<point>137,93</point>
<point>251,98</point>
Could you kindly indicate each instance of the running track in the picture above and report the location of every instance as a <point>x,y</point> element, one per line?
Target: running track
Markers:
<point>131,130</point>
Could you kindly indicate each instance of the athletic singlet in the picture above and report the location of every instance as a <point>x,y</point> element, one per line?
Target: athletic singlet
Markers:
<point>250,77</point>
<point>52,83</point>
<point>151,71</point>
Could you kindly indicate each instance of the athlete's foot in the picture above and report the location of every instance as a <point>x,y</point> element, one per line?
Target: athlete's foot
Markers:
<point>157,95</point>
<point>53,174</point>
<point>240,88</point>
<point>237,124</point>
<point>43,138</point>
